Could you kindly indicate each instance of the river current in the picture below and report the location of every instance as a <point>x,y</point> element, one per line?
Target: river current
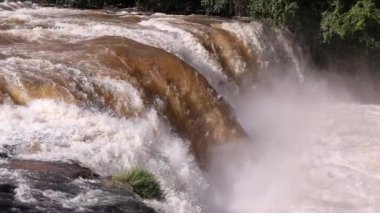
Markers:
<point>65,96</point>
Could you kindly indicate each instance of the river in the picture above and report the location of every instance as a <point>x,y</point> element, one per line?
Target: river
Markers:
<point>117,90</point>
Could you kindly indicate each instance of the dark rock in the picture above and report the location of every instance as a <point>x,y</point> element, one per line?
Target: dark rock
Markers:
<point>73,170</point>
<point>57,177</point>
<point>7,188</point>
<point>132,207</point>
<point>7,201</point>
<point>4,153</point>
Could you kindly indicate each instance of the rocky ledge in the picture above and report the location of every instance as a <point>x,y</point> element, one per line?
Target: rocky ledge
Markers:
<point>39,186</point>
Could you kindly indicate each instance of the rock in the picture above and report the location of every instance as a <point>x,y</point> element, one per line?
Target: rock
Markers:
<point>132,207</point>
<point>7,201</point>
<point>7,188</point>
<point>4,153</point>
<point>52,184</point>
<point>72,171</point>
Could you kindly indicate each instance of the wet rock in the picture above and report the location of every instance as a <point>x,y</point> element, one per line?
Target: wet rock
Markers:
<point>6,194</point>
<point>4,153</point>
<point>61,187</point>
<point>7,201</point>
<point>2,56</point>
<point>7,188</point>
<point>53,168</point>
<point>135,207</point>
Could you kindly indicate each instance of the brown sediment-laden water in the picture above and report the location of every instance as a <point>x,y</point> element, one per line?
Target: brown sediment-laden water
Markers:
<point>196,100</point>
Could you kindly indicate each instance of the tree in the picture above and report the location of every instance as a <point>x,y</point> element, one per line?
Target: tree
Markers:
<point>334,24</point>
<point>354,21</point>
<point>185,6</point>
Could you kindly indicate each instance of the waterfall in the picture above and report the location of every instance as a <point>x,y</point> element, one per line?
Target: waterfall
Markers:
<point>226,114</point>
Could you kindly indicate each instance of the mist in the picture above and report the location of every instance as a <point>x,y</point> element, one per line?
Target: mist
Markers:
<point>295,158</point>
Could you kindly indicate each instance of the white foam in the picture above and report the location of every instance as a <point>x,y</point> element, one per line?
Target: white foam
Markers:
<point>106,145</point>
<point>16,5</point>
<point>81,83</point>
<point>127,95</point>
<point>19,17</point>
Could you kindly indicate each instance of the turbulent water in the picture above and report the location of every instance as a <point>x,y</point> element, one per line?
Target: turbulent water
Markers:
<point>119,90</point>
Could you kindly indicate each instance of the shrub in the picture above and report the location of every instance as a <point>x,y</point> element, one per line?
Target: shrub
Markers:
<point>353,21</point>
<point>168,5</point>
<point>139,181</point>
<point>279,11</point>
<point>216,6</point>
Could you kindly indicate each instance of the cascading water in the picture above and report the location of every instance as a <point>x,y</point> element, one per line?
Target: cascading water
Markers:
<point>115,91</point>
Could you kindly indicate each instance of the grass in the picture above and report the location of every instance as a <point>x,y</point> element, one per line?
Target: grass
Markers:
<point>140,181</point>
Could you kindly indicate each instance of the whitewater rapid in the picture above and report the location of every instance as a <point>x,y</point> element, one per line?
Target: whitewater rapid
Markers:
<point>183,36</point>
<point>307,154</point>
<point>330,166</point>
<point>50,131</point>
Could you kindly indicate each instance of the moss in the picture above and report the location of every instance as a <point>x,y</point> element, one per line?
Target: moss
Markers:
<point>140,181</point>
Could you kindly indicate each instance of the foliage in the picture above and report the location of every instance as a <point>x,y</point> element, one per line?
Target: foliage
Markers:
<point>216,6</point>
<point>89,3</point>
<point>341,29</point>
<point>155,5</point>
<point>168,5</point>
<point>353,21</point>
<point>279,11</point>
<point>141,182</point>
<point>226,7</point>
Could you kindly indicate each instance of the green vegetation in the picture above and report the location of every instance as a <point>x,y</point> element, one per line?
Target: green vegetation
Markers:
<point>357,21</point>
<point>179,6</point>
<point>217,7</point>
<point>328,21</point>
<point>335,30</point>
<point>139,181</point>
